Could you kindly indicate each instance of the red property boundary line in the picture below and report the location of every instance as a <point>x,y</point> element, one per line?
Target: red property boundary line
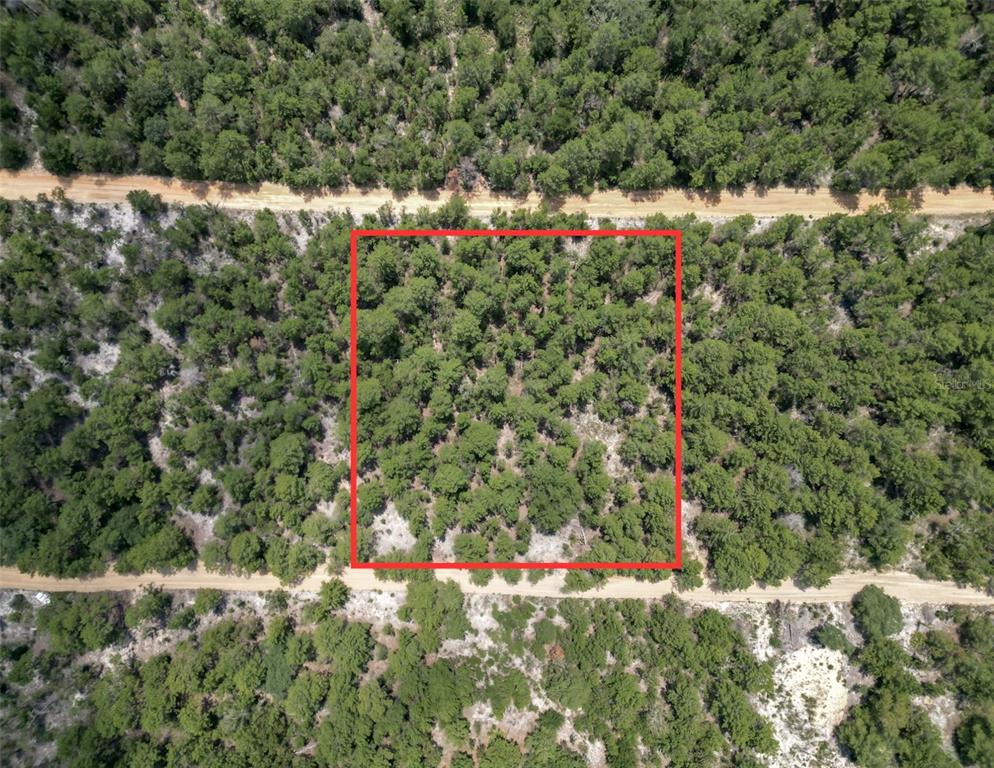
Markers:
<point>676,563</point>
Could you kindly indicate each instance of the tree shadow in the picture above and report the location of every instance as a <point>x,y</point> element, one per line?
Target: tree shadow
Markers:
<point>707,197</point>
<point>847,200</point>
<point>915,197</point>
<point>228,189</point>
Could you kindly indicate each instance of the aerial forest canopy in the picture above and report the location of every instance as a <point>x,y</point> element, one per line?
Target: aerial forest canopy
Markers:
<point>511,389</point>
<point>175,386</point>
<point>555,96</point>
<point>224,680</point>
<point>311,685</point>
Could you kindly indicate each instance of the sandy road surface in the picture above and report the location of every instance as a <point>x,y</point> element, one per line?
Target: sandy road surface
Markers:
<point>905,586</point>
<point>777,201</point>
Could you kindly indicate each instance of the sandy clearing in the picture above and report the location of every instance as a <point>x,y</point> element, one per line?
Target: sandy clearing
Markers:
<point>905,586</point>
<point>810,700</point>
<point>589,426</point>
<point>548,548</point>
<point>776,201</point>
<point>391,532</point>
<point>101,362</point>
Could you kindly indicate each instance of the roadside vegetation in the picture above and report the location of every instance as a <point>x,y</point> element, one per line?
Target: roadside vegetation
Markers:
<point>332,679</point>
<point>894,722</point>
<point>543,685</point>
<point>175,386</point>
<point>551,95</point>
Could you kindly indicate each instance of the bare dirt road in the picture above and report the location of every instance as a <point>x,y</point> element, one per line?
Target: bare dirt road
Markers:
<point>777,201</point>
<point>905,586</point>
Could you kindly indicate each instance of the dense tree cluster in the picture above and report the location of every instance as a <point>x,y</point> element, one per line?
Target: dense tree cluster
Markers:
<point>549,94</point>
<point>891,724</point>
<point>964,658</point>
<point>836,389</point>
<point>305,686</point>
<point>165,383</point>
<point>477,358</point>
<point>836,385</point>
<point>837,378</point>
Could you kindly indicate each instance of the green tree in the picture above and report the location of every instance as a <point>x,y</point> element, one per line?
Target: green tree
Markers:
<point>500,753</point>
<point>228,157</point>
<point>153,605</point>
<point>554,496</point>
<point>245,552</point>
<point>974,739</point>
<point>79,623</point>
<point>288,453</point>
<point>876,613</point>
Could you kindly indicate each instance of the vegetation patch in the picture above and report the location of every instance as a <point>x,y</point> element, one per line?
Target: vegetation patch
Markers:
<point>301,685</point>
<point>474,356</point>
<point>557,95</point>
<point>507,390</point>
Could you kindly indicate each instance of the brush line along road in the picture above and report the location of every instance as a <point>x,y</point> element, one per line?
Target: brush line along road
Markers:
<point>777,201</point>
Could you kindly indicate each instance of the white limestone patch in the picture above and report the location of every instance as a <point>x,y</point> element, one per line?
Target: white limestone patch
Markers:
<point>596,754</point>
<point>588,426</point>
<point>376,608</point>
<point>753,619</point>
<point>189,376</point>
<point>567,543</point>
<point>102,361</point>
<point>516,723</point>
<point>444,550</point>
<point>325,507</point>
<point>840,320</point>
<point>918,618</point>
<point>943,231</point>
<point>200,528</point>
<point>391,532</point>
<point>331,450</point>
<point>479,613</point>
<point>481,717</point>
<point>75,397</point>
<point>159,452</point>
<point>943,713</point>
<point>27,366</point>
<point>592,750</point>
<point>810,699</point>
<point>545,548</point>
<point>127,221</point>
<point>159,334</point>
<point>122,218</point>
<point>713,296</point>
<point>689,511</point>
<point>505,442</point>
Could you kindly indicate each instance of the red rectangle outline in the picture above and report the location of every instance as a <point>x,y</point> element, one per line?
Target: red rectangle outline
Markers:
<point>674,564</point>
